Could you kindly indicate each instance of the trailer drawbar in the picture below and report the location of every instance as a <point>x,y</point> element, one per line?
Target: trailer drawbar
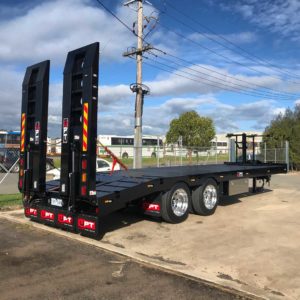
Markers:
<point>78,200</point>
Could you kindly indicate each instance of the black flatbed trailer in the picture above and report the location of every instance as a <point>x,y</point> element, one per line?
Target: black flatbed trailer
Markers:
<point>82,196</point>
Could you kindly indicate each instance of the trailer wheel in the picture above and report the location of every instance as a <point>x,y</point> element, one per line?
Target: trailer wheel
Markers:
<point>175,204</point>
<point>205,198</point>
<point>125,155</point>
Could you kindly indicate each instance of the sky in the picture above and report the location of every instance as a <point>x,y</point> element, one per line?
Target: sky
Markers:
<point>236,62</point>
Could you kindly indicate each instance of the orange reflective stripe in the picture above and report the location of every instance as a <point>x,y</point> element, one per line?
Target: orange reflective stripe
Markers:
<point>22,146</point>
<point>85,126</point>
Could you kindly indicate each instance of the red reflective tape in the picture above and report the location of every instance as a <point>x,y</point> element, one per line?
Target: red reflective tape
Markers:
<point>85,127</point>
<point>86,106</point>
<point>22,144</point>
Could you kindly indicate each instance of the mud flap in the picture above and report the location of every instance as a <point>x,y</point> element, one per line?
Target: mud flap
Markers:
<point>46,215</point>
<point>65,220</point>
<point>30,212</point>
<point>88,225</point>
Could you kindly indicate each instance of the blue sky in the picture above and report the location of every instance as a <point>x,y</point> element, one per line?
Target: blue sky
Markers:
<point>234,61</point>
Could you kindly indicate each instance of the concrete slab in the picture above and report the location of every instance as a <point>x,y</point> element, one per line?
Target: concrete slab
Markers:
<point>250,244</point>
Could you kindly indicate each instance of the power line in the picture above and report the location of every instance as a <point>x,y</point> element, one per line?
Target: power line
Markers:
<point>278,93</point>
<point>230,60</point>
<point>211,83</point>
<point>249,55</point>
<point>226,87</point>
<point>231,83</point>
<point>116,17</point>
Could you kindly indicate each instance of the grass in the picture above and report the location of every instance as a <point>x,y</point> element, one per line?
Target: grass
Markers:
<point>10,200</point>
<point>166,160</point>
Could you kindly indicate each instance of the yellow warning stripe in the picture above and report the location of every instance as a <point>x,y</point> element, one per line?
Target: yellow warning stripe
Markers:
<point>22,146</point>
<point>85,127</point>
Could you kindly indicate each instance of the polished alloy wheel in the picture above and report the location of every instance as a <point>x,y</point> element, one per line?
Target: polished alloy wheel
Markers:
<point>179,202</point>
<point>210,196</point>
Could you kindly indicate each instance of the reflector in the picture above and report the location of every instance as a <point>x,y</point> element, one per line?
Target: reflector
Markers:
<point>83,190</point>
<point>84,164</point>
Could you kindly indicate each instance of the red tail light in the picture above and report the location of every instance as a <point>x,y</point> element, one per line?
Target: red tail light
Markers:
<point>84,224</point>
<point>83,190</point>
<point>21,162</point>
<point>84,164</point>
<point>20,183</point>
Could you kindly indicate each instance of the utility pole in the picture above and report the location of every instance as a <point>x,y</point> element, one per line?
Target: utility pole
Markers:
<point>138,87</point>
<point>137,162</point>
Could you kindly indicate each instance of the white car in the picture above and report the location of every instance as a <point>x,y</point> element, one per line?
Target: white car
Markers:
<point>102,165</point>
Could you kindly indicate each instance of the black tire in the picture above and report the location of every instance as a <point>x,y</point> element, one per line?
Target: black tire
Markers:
<point>202,207</point>
<point>153,155</point>
<point>167,212</point>
<point>125,155</point>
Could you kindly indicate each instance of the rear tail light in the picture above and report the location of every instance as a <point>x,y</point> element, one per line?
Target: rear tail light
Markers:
<point>20,183</point>
<point>84,164</point>
<point>83,190</point>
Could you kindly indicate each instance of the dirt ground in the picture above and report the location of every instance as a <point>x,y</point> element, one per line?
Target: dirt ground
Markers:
<point>250,244</point>
<point>37,264</point>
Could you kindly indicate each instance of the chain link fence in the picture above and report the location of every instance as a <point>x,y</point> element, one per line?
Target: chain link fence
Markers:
<point>9,160</point>
<point>178,156</point>
<point>153,156</point>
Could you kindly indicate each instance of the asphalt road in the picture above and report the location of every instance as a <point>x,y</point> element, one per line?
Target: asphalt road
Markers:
<point>10,184</point>
<point>40,265</point>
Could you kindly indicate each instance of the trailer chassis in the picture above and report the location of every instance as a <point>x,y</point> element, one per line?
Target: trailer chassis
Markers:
<point>81,197</point>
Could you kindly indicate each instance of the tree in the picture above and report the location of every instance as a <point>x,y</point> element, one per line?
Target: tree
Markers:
<point>286,127</point>
<point>196,131</point>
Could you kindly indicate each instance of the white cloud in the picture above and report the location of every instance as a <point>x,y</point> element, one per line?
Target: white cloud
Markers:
<point>50,29</point>
<point>231,117</point>
<point>297,102</point>
<point>207,79</point>
<point>239,38</point>
<point>277,16</point>
<point>10,98</point>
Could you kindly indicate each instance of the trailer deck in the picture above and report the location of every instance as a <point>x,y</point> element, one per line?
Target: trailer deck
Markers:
<point>81,196</point>
<point>123,187</point>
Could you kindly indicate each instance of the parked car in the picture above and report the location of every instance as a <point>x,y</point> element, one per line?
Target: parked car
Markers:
<point>102,165</point>
<point>8,157</point>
